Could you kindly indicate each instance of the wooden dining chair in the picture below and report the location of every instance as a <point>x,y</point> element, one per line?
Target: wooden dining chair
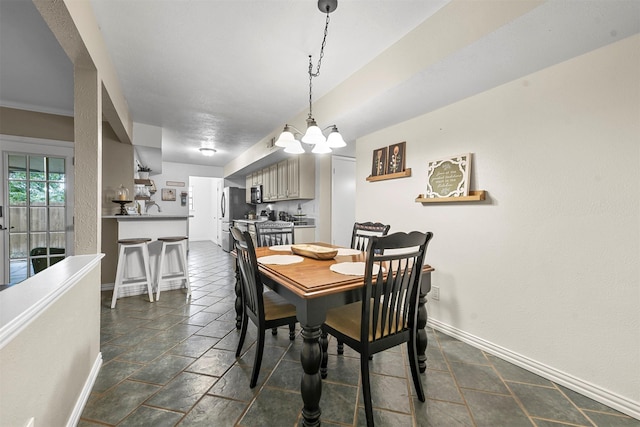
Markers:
<point>387,314</point>
<point>266,309</point>
<point>362,232</point>
<point>271,233</point>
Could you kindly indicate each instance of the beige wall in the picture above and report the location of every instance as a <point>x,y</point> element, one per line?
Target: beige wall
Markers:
<point>35,125</point>
<point>44,368</point>
<point>547,269</point>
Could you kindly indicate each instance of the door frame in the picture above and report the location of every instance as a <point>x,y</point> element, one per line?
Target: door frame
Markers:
<point>11,144</point>
<point>343,199</point>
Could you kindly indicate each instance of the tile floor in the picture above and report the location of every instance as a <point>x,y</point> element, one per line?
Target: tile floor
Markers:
<point>173,363</point>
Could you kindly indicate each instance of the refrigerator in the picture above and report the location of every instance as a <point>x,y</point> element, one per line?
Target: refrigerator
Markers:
<point>233,205</point>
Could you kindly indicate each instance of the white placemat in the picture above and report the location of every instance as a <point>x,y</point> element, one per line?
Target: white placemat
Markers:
<point>347,251</point>
<point>281,248</point>
<point>352,268</point>
<point>280,259</point>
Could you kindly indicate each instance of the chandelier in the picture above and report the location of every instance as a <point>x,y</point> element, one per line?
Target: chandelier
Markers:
<point>314,135</point>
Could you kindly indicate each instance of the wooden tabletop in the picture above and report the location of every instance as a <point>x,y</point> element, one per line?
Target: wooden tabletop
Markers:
<point>312,278</point>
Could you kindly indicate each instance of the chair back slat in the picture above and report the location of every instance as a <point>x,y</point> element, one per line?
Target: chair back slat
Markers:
<point>252,286</point>
<point>271,233</point>
<point>363,231</point>
<point>390,296</point>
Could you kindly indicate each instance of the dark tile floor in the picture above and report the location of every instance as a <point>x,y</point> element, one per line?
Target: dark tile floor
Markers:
<point>173,363</point>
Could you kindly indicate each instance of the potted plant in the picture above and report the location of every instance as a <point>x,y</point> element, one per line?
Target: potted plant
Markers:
<point>143,171</point>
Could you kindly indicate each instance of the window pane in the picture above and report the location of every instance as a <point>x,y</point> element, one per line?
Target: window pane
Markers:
<point>36,168</point>
<point>56,193</point>
<point>37,241</point>
<point>56,169</point>
<point>17,193</point>
<point>57,243</point>
<point>38,220</point>
<point>37,193</point>
<point>18,271</point>
<point>18,220</point>
<point>18,245</point>
<point>56,219</point>
<point>17,167</point>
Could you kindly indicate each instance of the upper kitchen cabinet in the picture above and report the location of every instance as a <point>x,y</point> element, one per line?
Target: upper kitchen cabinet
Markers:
<point>290,179</point>
<point>270,183</point>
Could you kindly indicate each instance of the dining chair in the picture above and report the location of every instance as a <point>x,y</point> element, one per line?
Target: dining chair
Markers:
<point>362,232</point>
<point>271,233</point>
<point>386,315</point>
<point>266,309</point>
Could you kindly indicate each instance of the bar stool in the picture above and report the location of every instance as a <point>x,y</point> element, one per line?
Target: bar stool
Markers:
<point>180,243</point>
<point>129,247</point>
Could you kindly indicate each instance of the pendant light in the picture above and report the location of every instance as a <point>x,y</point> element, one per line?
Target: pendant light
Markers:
<point>314,135</point>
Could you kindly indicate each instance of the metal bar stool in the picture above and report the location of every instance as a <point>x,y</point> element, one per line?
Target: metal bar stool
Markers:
<point>129,247</point>
<point>179,242</point>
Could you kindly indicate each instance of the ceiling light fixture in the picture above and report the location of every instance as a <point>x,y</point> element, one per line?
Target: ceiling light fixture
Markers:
<point>314,135</point>
<point>207,151</point>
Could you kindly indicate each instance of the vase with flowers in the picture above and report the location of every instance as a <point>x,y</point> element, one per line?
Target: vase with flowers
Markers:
<point>143,171</point>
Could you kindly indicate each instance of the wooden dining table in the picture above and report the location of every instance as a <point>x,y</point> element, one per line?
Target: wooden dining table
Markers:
<point>313,288</point>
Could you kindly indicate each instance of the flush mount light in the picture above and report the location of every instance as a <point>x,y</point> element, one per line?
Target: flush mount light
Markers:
<point>207,151</point>
<point>314,135</point>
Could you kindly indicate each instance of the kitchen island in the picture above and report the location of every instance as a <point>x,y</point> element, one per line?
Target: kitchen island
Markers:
<point>115,227</point>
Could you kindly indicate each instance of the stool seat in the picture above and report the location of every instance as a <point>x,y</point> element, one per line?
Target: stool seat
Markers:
<point>129,247</point>
<point>179,242</point>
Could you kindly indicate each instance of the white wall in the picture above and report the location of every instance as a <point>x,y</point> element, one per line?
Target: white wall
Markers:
<point>547,270</point>
<point>179,172</point>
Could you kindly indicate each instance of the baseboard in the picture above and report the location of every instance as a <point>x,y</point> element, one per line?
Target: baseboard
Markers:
<point>617,402</point>
<point>74,419</point>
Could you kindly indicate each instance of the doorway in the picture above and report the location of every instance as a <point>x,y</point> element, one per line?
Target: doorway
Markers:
<point>343,196</point>
<point>37,200</point>
<point>203,208</point>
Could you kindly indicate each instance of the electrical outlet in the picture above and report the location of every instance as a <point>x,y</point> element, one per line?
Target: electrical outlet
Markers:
<point>435,293</point>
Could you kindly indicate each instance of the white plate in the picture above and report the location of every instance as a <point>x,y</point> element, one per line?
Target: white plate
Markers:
<point>281,248</point>
<point>352,268</point>
<point>280,259</point>
<point>347,251</point>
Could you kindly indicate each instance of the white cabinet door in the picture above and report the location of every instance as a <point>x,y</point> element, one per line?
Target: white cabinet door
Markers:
<point>283,180</point>
<point>248,184</point>
<point>293,178</point>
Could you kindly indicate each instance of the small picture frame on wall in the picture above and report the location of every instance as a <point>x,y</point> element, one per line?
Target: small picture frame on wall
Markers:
<point>397,155</point>
<point>379,163</point>
<point>169,194</point>
<point>449,177</point>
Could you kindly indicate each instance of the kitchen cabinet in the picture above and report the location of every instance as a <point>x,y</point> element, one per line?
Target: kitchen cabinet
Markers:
<point>290,179</point>
<point>248,184</point>
<point>270,183</point>
<point>256,178</point>
<point>283,180</point>
<point>304,234</point>
<point>293,178</point>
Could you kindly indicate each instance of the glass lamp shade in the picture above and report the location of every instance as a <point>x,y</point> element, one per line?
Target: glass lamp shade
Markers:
<point>286,138</point>
<point>313,135</point>
<point>335,140</point>
<point>321,148</point>
<point>122,193</point>
<point>207,151</point>
<point>294,147</point>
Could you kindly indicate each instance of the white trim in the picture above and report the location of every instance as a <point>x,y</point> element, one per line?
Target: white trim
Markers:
<point>74,419</point>
<point>21,305</point>
<point>606,397</point>
<point>36,109</point>
<point>38,141</point>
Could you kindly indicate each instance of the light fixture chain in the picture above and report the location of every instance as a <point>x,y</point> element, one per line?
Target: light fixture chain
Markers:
<point>317,73</point>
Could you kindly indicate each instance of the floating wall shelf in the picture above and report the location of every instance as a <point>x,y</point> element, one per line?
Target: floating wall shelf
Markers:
<point>405,173</point>
<point>474,196</point>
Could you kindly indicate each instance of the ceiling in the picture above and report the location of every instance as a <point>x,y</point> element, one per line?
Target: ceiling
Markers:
<point>231,73</point>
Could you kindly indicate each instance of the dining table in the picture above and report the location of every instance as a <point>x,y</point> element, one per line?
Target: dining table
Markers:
<point>314,287</point>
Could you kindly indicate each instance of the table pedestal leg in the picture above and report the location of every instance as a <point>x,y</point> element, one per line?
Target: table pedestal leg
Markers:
<point>421,336</point>
<point>238,306</point>
<point>311,384</point>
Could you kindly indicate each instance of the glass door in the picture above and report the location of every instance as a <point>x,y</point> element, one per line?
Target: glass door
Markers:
<point>35,213</point>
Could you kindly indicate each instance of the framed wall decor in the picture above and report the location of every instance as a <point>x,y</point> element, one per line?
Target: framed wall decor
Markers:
<point>397,154</point>
<point>379,163</point>
<point>449,177</point>
<point>169,194</point>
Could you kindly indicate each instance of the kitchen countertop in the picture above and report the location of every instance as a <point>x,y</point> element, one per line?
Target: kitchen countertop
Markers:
<point>146,217</point>
<point>312,223</point>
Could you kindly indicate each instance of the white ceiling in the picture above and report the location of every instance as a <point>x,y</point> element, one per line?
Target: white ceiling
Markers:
<point>232,72</point>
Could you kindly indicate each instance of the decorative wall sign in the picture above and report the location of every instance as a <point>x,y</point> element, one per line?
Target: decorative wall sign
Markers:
<point>379,164</point>
<point>397,154</point>
<point>175,184</point>
<point>449,177</point>
<point>169,194</point>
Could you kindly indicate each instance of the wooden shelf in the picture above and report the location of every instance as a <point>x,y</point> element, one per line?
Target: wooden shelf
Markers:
<point>143,198</point>
<point>474,196</point>
<point>146,182</point>
<point>405,173</point>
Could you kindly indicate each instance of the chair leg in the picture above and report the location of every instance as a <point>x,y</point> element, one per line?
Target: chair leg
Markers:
<point>366,388</point>
<point>324,344</point>
<point>274,331</point>
<point>119,276</point>
<point>292,331</point>
<point>415,370</point>
<point>243,333</point>
<point>340,347</point>
<point>258,359</point>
